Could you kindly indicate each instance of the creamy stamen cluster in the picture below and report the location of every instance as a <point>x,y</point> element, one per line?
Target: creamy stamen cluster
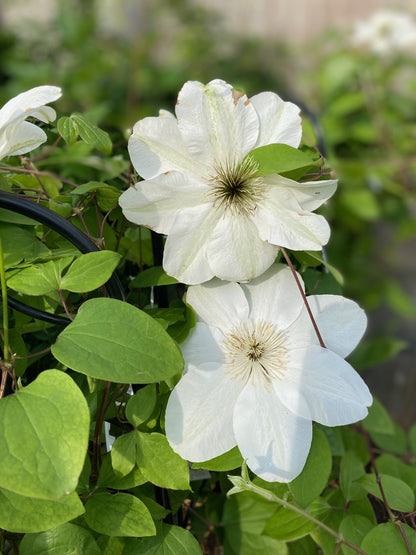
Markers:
<point>256,353</point>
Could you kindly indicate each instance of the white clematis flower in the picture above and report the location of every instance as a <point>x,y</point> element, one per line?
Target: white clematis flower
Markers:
<point>256,376</point>
<point>386,32</point>
<point>18,136</point>
<point>220,218</point>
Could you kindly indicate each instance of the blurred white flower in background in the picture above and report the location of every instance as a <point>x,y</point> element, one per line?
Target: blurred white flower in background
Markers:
<point>386,32</point>
<point>256,375</point>
<point>18,136</point>
<point>200,189</point>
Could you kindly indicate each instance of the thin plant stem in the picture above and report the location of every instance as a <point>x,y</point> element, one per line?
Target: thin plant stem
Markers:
<point>249,486</point>
<point>96,454</point>
<point>64,305</point>
<point>6,355</point>
<point>305,300</point>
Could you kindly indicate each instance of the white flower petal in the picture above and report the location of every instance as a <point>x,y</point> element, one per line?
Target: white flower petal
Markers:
<point>218,304</point>
<point>236,252</point>
<point>202,345</point>
<point>341,323</point>
<point>26,104</point>
<point>274,297</point>
<point>281,221</point>
<point>217,125</point>
<point>320,385</point>
<point>310,195</point>
<point>274,441</point>
<point>156,146</point>
<point>185,248</point>
<point>199,413</point>
<point>280,121</point>
<point>156,202</point>
<point>21,138</point>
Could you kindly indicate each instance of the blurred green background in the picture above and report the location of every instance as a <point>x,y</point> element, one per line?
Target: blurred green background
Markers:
<point>121,61</point>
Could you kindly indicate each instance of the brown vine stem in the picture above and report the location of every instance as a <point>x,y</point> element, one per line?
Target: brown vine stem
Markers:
<point>96,452</point>
<point>305,300</point>
<point>38,172</point>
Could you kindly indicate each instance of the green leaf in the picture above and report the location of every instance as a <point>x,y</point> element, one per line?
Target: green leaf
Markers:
<point>398,494</point>
<point>141,405</point>
<point>280,158</point>
<point>109,479</point>
<point>67,538</point>
<point>169,540</point>
<point>121,514</point>
<point>314,476</point>
<point>378,419</point>
<point>68,129</point>
<point>395,442</point>
<point>171,471</point>
<point>123,454</point>
<point>351,470</point>
<point>288,525</point>
<point>393,466</point>
<point>14,218</point>
<point>107,195</point>
<point>39,279</point>
<point>27,515</point>
<point>92,135</point>
<point>245,543</point>
<point>372,352</point>
<point>362,203</point>
<point>151,277</point>
<point>412,439</point>
<point>386,538</point>
<point>90,271</point>
<point>20,244</point>
<point>354,528</point>
<point>46,424</point>
<point>228,461</point>
<point>112,340</point>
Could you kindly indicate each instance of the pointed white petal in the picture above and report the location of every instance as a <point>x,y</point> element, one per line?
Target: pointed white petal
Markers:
<point>202,345</point>
<point>185,248</point>
<point>274,297</point>
<point>274,441</point>
<point>310,195</point>
<point>219,304</point>
<point>156,146</point>
<point>20,139</point>
<point>24,103</point>
<point>280,121</point>
<point>156,202</point>
<point>217,123</point>
<point>199,413</point>
<point>236,252</point>
<point>341,323</point>
<point>281,221</point>
<point>320,385</point>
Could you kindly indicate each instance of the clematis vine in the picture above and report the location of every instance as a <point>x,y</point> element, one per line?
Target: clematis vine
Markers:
<point>201,189</point>
<point>18,136</point>
<point>256,375</point>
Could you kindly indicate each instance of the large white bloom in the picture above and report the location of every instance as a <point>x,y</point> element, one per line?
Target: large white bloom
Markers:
<point>18,136</point>
<point>385,32</point>
<point>221,220</point>
<point>256,376</point>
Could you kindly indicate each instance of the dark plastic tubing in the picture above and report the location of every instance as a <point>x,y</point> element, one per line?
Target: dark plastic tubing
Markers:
<point>43,215</point>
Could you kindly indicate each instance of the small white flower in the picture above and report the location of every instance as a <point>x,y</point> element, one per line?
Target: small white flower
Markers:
<point>18,136</point>
<point>256,376</point>
<point>385,32</point>
<point>219,217</point>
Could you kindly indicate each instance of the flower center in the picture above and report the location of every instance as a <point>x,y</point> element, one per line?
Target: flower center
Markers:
<point>235,186</point>
<point>256,352</point>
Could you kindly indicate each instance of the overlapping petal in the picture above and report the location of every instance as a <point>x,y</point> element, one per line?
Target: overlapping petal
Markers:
<point>235,250</point>
<point>322,386</point>
<point>202,346</point>
<point>272,438</point>
<point>156,202</point>
<point>199,414</point>
<point>310,195</point>
<point>274,297</point>
<point>18,136</point>
<point>281,221</point>
<point>279,121</point>
<point>217,124</point>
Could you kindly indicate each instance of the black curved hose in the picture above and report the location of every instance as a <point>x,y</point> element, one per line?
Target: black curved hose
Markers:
<point>44,215</point>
